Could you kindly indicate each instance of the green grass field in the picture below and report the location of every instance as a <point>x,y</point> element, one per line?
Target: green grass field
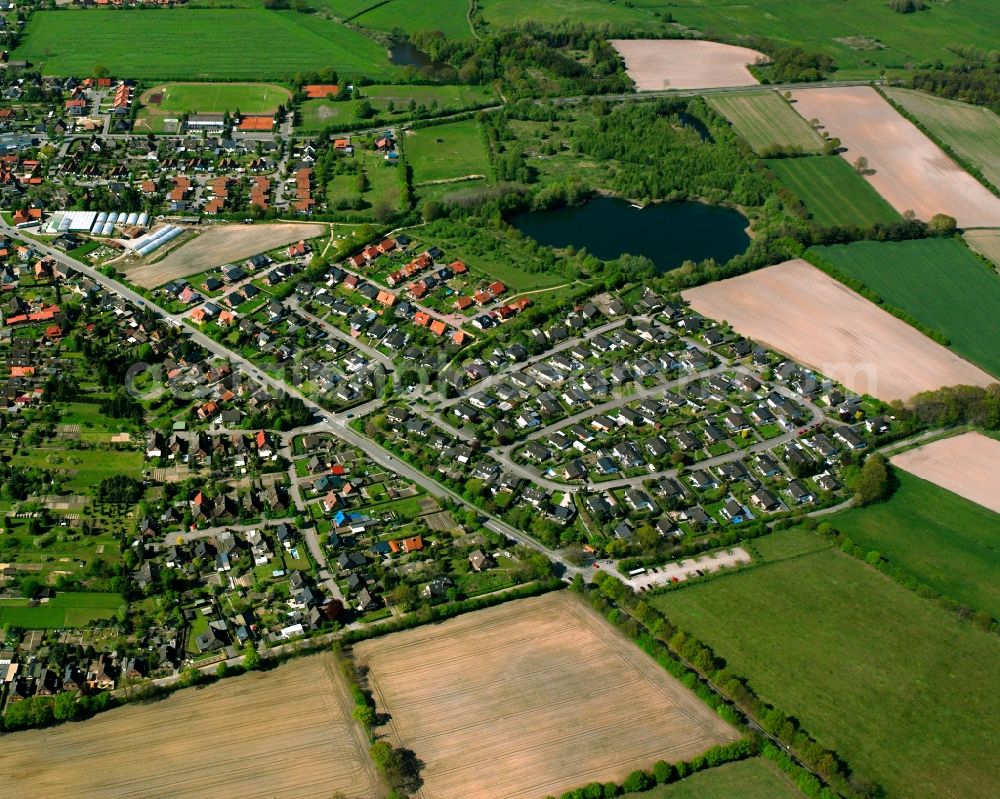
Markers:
<point>862,36</point>
<point>939,282</point>
<point>82,468</point>
<point>971,131</point>
<point>766,120</point>
<point>384,187</point>
<point>447,16</point>
<point>507,13</point>
<point>749,779</point>
<point>832,192</point>
<point>906,693</point>
<point>63,610</point>
<point>945,541</point>
<point>193,44</point>
<point>447,151</point>
<point>317,114</point>
<point>345,8</point>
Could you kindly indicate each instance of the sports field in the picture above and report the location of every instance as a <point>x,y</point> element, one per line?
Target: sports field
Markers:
<point>531,698</point>
<point>197,44</point>
<point>447,16</point>
<point>832,192</point>
<point>895,684</point>
<point>971,131</point>
<point>862,36</point>
<point>453,150</point>
<point>766,121</point>
<point>945,541</point>
<point>63,610</point>
<point>937,281</point>
<point>286,732</point>
<point>749,779</point>
<point>172,100</point>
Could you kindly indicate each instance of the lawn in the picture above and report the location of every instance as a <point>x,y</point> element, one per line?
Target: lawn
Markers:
<point>971,131</point>
<point>447,16</point>
<point>384,187</point>
<point>63,610</point>
<point>447,151</point>
<point>211,43</point>
<point>863,37</point>
<point>82,468</point>
<point>832,192</point>
<point>766,120</point>
<point>945,541</point>
<point>906,693</point>
<point>937,281</point>
<point>749,779</point>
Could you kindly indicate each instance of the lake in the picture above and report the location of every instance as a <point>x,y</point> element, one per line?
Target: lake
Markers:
<point>666,233</point>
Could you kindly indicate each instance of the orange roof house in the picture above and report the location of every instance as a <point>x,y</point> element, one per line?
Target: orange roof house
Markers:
<point>459,337</point>
<point>421,318</point>
<point>386,298</point>
<point>22,371</point>
<point>458,267</point>
<point>438,327</point>
<point>413,544</point>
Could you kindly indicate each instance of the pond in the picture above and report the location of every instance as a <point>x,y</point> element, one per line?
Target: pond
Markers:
<point>405,54</point>
<point>666,233</point>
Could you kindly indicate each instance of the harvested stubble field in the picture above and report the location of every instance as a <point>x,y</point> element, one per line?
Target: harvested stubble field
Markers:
<point>531,698</point>
<point>220,245</point>
<point>766,120</point>
<point>972,131</point>
<point>796,309</point>
<point>288,732</point>
<point>967,465</point>
<point>908,169</point>
<point>686,63</point>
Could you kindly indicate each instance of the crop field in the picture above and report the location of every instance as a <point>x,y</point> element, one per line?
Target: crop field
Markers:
<point>972,131</point>
<point>447,16</point>
<point>796,309</point>
<point>937,281</point>
<point>287,732</point>
<point>749,779</point>
<point>965,464</point>
<point>317,114</point>
<point>221,244</point>
<point>530,698</point>
<point>509,13</point>
<point>903,165</point>
<point>685,63</point>
<point>861,35</point>
<point>906,693</point>
<point>832,192</point>
<point>945,541</point>
<point>63,610</point>
<point>766,120</point>
<point>233,44</point>
<point>172,100</point>
<point>985,242</point>
<point>448,151</point>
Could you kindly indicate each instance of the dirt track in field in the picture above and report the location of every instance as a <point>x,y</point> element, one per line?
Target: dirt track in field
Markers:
<point>685,63</point>
<point>531,698</point>
<point>796,309</point>
<point>218,245</point>
<point>967,465</point>
<point>910,171</point>
<point>287,732</point>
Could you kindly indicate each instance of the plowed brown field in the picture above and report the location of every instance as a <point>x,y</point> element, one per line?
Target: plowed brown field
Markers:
<point>530,698</point>
<point>287,732</point>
